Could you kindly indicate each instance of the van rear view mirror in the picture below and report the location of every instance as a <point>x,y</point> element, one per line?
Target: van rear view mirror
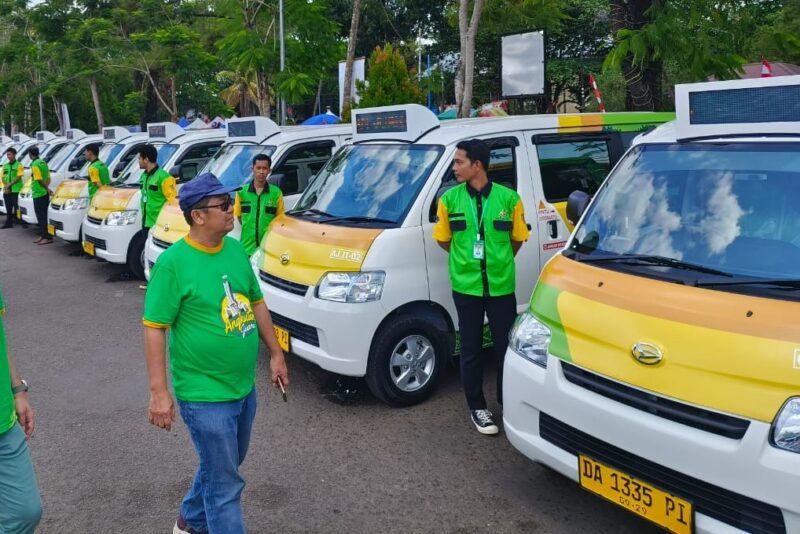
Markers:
<point>576,205</point>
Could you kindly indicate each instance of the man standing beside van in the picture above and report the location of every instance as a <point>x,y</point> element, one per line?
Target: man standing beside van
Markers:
<point>158,187</point>
<point>13,171</point>
<point>98,172</point>
<point>257,205</point>
<point>40,191</point>
<point>482,226</point>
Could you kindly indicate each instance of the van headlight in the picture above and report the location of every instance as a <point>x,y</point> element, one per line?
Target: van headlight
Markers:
<point>121,218</point>
<point>76,203</point>
<point>530,338</point>
<point>255,259</point>
<point>786,429</point>
<point>352,287</point>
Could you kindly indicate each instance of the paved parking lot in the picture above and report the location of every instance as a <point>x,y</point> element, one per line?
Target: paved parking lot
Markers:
<point>316,463</point>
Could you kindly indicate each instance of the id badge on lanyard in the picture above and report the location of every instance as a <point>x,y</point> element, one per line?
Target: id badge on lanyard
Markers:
<point>478,248</point>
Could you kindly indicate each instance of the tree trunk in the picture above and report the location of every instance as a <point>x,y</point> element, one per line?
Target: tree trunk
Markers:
<point>642,89</point>
<point>468,52</point>
<point>98,110</point>
<point>351,55</point>
<point>59,115</point>
<point>174,112</point>
<point>262,93</point>
<point>463,29</point>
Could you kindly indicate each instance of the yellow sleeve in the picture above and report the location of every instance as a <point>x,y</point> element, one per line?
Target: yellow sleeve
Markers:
<point>280,205</point>
<point>519,228</point>
<point>94,175</point>
<point>36,172</point>
<point>168,188</point>
<point>237,207</point>
<point>158,326</point>
<point>441,232</point>
<point>20,171</point>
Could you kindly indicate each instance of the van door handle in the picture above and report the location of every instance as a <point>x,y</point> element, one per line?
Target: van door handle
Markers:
<point>553,229</point>
<point>529,227</point>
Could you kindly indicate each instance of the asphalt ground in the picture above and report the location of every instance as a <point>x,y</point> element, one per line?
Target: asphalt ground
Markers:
<point>323,462</point>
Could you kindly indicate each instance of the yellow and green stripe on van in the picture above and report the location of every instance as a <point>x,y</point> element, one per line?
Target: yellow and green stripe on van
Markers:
<point>724,351</point>
<point>616,122</point>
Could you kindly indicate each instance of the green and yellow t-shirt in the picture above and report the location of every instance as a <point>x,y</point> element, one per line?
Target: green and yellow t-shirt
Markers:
<point>158,187</point>
<point>257,211</point>
<point>12,171</point>
<point>98,177</point>
<point>40,174</point>
<point>494,216</point>
<point>8,414</point>
<point>206,297</point>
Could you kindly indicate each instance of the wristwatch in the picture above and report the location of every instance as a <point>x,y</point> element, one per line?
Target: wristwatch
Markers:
<point>21,388</point>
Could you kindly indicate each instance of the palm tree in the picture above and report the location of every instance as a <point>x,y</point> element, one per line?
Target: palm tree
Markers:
<point>242,91</point>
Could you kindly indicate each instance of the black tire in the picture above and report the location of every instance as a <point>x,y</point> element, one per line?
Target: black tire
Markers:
<point>136,255</point>
<point>380,373</point>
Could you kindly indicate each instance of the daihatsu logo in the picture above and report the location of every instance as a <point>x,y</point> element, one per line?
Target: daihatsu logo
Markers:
<point>647,353</point>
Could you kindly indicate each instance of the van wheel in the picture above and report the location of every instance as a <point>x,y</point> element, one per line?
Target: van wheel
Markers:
<point>136,255</point>
<point>405,361</point>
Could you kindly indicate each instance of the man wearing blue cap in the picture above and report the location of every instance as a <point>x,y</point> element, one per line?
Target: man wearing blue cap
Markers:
<point>204,291</point>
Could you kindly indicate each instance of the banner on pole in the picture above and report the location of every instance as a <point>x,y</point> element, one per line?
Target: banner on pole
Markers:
<point>359,73</point>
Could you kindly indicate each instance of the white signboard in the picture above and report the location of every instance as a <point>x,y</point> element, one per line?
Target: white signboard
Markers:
<point>358,74</point>
<point>523,64</point>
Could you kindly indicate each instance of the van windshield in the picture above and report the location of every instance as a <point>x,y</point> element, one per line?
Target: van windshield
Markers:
<point>232,163</point>
<point>63,155</point>
<point>366,184</point>
<point>723,216</point>
<point>132,174</point>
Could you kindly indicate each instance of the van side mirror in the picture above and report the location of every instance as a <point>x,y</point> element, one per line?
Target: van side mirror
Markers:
<point>577,203</point>
<point>118,169</point>
<point>176,171</point>
<point>439,194</point>
<point>287,183</point>
<point>75,165</point>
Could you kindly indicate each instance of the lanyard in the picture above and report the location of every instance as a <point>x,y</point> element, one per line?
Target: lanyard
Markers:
<point>478,222</point>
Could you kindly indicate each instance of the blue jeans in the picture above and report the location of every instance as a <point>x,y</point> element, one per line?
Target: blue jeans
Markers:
<point>220,432</point>
<point>20,504</point>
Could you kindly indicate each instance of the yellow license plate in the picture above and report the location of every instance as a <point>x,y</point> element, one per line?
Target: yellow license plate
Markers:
<point>660,507</point>
<point>283,338</point>
<point>51,229</point>
<point>88,248</point>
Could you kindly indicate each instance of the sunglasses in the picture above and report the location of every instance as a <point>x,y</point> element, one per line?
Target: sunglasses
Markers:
<point>223,206</point>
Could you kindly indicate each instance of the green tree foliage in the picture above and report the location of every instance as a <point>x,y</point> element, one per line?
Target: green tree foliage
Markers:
<point>388,81</point>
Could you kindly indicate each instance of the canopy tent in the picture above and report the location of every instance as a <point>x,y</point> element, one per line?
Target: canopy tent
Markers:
<point>183,122</point>
<point>323,118</point>
<point>198,124</point>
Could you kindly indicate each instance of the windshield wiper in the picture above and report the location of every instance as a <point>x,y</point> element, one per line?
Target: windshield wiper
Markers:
<point>310,211</point>
<point>654,260</point>
<point>787,283</point>
<point>357,219</point>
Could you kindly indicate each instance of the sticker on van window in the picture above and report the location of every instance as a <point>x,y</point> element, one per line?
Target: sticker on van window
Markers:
<point>554,244</point>
<point>546,214</point>
<point>797,358</point>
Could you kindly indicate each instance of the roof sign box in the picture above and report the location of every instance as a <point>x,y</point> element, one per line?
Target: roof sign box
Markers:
<point>253,128</point>
<point>21,138</point>
<point>45,136</point>
<point>398,123</point>
<point>758,106</point>
<point>74,134</point>
<point>164,131</point>
<point>115,133</point>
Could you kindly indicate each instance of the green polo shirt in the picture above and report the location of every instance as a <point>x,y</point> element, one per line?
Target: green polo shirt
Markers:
<point>494,215</point>
<point>8,415</point>
<point>157,188</point>
<point>40,174</point>
<point>12,171</point>
<point>256,212</point>
<point>98,177</point>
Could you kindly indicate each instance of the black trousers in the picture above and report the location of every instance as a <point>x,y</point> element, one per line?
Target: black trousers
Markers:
<point>40,208</point>
<point>501,312</point>
<point>11,202</point>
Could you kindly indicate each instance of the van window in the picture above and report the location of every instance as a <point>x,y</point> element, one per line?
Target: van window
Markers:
<point>301,163</point>
<point>567,166</point>
<point>196,158</point>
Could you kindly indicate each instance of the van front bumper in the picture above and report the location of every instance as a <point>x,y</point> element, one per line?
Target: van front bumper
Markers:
<point>151,253</point>
<point>110,242</point>
<point>26,209</point>
<point>333,335</point>
<point>67,223</point>
<point>550,420</point>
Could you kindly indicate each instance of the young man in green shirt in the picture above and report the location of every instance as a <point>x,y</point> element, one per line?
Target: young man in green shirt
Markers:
<point>40,191</point>
<point>20,503</point>
<point>482,226</point>
<point>204,291</point>
<point>157,186</point>
<point>98,172</point>
<point>257,205</point>
<point>13,172</point>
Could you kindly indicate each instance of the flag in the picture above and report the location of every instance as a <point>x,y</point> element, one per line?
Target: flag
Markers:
<point>597,94</point>
<point>766,69</point>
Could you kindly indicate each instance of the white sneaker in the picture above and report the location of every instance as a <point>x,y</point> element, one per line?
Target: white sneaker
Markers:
<point>484,423</point>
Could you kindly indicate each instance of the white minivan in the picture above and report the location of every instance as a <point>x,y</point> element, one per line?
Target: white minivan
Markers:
<point>354,279</point>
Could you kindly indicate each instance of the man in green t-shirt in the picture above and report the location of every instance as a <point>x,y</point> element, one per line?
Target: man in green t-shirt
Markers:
<point>40,191</point>
<point>20,503</point>
<point>13,172</point>
<point>257,205</point>
<point>158,186</point>
<point>482,226</point>
<point>98,172</point>
<point>204,291</point>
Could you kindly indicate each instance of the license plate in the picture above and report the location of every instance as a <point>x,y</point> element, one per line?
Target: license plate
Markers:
<point>662,508</point>
<point>283,338</point>
<point>51,229</point>
<point>88,248</point>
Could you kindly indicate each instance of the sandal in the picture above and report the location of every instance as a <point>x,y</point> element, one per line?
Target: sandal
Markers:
<point>45,242</point>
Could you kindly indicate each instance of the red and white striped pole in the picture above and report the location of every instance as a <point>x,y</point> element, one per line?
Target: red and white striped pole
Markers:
<point>597,95</point>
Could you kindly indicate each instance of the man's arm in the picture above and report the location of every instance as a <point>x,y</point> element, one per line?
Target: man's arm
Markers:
<point>162,406</point>
<point>277,362</point>
<point>21,404</point>
<point>445,245</point>
<point>19,176</point>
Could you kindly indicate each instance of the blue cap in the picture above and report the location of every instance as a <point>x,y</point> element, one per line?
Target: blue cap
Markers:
<point>200,187</point>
